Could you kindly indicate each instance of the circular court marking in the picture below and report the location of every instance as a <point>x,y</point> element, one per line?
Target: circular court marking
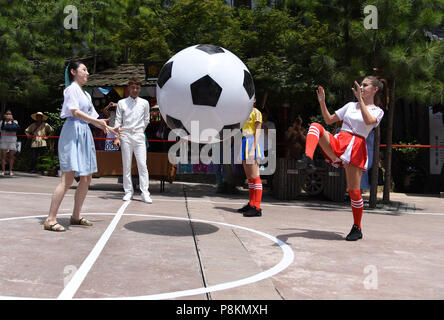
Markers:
<point>287,259</point>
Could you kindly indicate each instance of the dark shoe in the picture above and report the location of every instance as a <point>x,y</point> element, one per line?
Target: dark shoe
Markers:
<point>253,212</point>
<point>355,234</point>
<point>306,163</point>
<point>244,208</point>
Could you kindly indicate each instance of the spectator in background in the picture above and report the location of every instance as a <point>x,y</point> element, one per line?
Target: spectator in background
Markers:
<point>38,130</point>
<point>8,142</point>
<point>267,125</point>
<point>110,112</point>
<point>295,138</point>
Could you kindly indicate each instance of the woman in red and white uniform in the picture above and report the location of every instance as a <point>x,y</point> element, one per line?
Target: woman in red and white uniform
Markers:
<point>347,148</point>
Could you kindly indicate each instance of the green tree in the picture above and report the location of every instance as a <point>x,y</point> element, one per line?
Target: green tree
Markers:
<point>399,51</point>
<point>411,62</point>
<point>17,80</point>
<point>34,46</point>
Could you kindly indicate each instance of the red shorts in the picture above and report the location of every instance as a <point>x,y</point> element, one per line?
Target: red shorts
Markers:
<point>348,148</point>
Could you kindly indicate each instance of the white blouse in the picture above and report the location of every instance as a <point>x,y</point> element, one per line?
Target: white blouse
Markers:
<point>77,98</point>
<point>353,122</point>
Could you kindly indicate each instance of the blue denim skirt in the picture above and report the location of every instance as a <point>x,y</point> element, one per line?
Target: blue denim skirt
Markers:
<point>76,148</point>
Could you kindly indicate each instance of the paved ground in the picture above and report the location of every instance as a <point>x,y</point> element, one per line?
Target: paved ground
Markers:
<point>192,244</point>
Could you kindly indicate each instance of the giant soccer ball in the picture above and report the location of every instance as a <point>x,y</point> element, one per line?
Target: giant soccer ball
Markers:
<point>205,86</point>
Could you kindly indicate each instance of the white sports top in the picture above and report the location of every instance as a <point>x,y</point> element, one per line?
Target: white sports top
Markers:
<point>353,122</point>
<point>77,98</point>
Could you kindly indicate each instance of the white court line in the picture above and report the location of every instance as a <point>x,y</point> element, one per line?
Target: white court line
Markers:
<point>264,205</point>
<point>287,260</point>
<point>74,284</point>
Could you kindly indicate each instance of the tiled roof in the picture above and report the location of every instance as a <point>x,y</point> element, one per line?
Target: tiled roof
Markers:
<point>118,76</point>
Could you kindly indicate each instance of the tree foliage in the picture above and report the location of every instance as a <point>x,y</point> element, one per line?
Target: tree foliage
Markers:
<point>290,47</point>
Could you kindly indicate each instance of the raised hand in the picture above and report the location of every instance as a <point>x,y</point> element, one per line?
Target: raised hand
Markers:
<point>321,94</point>
<point>357,91</point>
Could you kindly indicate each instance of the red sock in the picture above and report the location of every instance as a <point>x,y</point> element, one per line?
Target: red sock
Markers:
<point>251,190</point>
<point>257,182</point>
<point>357,205</point>
<point>314,133</point>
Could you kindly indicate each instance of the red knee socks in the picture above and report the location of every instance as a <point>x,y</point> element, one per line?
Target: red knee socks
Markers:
<point>255,188</point>
<point>257,182</point>
<point>357,205</point>
<point>314,133</point>
<point>251,190</point>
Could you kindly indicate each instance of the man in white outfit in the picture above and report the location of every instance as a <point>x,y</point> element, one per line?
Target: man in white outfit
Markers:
<point>133,115</point>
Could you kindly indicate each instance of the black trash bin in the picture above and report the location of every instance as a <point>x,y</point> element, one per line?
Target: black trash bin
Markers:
<point>335,184</point>
<point>287,180</point>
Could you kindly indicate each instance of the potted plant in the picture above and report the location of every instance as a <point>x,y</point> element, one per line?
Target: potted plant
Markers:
<point>405,167</point>
<point>49,163</point>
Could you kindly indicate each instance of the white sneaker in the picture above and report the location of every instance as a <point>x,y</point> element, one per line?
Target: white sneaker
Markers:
<point>128,196</point>
<point>146,198</point>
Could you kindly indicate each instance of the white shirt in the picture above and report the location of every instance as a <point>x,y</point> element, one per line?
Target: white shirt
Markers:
<point>77,98</point>
<point>353,122</point>
<point>133,114</point>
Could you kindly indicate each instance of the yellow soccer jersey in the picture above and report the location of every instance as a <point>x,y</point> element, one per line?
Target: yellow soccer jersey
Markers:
<point>249,127</point>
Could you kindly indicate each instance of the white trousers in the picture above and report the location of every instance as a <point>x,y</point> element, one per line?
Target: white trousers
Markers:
<point>129,144</point>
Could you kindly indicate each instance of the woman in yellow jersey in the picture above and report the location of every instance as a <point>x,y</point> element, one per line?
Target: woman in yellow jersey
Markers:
<point>252,151</point>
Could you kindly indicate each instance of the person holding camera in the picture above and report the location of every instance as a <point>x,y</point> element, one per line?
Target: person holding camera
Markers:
<point>110,112</point>
<point>8,142</point>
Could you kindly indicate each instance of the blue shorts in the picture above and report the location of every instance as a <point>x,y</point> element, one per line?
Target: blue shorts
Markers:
<point>247,144</point>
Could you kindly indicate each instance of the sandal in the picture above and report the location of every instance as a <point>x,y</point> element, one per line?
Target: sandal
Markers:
<point>53,227</point>
<point>81,222</point>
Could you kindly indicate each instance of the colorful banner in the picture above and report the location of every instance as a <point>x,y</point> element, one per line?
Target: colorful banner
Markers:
<point>105,90</point>
<point>97,93</point>
<point>120,91</point>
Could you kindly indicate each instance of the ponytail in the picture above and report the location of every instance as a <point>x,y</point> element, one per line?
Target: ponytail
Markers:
<point>71,65</point>
<point>381,98</point>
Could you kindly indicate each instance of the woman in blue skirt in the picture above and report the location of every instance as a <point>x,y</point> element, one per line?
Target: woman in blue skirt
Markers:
<point>77,154</point>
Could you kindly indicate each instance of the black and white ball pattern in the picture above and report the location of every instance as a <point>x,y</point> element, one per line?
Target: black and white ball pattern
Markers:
<point>207,85</point>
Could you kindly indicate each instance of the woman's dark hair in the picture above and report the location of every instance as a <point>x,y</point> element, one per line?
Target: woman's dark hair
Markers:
<point>72,65</point>
<point>380,97</point>
<point>3,127</point>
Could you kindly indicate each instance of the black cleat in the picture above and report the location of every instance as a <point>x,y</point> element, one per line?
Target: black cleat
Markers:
<point>355,234</point>
<point>306,163</point>
<point>244,208</point>
<point>253,212</point>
